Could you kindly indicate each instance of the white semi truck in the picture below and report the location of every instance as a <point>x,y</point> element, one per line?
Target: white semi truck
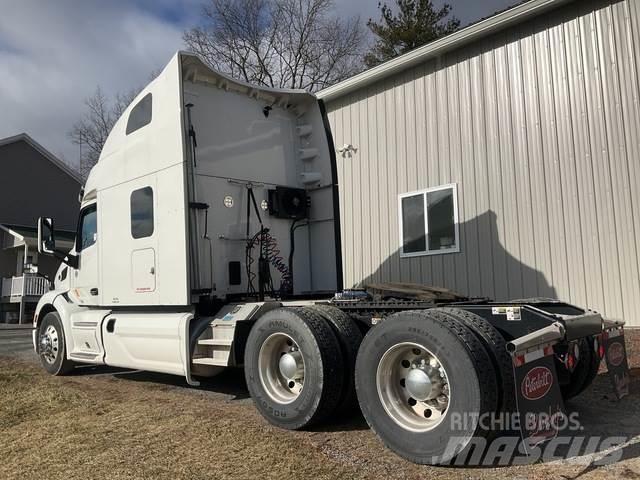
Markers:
<point>209,237</point>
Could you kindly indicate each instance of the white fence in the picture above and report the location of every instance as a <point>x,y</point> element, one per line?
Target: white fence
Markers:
<point>27,285</point>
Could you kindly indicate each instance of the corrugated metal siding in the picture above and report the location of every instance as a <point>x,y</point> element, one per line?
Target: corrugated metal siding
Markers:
<point>540,128</point>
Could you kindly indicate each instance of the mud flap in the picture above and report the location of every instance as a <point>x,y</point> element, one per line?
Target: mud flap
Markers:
<point>615,353</point>
<point>538,397</point>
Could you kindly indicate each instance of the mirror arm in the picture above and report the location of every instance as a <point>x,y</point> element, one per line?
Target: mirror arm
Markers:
<point>66,258</point>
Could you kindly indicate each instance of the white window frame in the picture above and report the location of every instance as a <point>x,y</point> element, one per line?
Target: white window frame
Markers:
<point>424,192</point>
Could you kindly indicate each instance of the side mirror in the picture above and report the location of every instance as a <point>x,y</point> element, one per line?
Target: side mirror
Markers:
<point>47,243</point>
<point>46,236</point>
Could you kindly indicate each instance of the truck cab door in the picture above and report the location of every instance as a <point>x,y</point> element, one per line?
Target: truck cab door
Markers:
<point>84,280</point>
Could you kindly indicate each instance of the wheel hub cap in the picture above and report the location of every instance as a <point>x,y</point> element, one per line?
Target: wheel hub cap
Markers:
<point>419,385</point>
<point>281,368</point>
<point>413,387</point>
<point>45,343</point>
<point>291,365</point>
<point>48,344</point>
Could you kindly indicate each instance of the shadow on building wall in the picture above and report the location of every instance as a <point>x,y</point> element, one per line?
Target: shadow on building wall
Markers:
<point>482,268</point>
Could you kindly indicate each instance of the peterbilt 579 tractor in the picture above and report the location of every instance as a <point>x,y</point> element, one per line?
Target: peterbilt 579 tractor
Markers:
<point>209,237</point>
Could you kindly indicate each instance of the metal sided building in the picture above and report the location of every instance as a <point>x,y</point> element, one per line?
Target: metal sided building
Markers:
<point>502,161</point>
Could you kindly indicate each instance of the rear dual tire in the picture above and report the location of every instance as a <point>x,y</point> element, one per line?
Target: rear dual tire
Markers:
<point>585,371</point>
<point>427,381</point>
<point>388,404</point>
<point>496,347</point>
<point>295,366</point>
<point>349,339</point>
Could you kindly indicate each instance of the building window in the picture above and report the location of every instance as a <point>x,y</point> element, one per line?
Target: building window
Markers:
<point>429,222</point>
<point>140,114</point>
<point>88,228</point>
<point>142,213</point>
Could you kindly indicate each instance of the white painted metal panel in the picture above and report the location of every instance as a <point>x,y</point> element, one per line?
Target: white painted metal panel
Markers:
<point>143,270</point>
<point>153,342</point>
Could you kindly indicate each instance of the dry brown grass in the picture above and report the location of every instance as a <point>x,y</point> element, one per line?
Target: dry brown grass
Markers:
<point>77,427</point>
<point>102,426</point>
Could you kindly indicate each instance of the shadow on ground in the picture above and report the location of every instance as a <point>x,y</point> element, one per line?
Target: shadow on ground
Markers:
<point>230,383</point>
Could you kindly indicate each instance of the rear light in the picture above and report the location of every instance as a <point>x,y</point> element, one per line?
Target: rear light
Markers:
<point>598,346</point>
<point>570,359</point>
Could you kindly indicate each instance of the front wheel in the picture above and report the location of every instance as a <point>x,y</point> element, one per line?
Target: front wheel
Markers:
<point>51,347</point>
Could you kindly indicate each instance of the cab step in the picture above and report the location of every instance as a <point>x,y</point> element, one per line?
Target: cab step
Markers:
<point>221,342</point>
<point>210,361</point>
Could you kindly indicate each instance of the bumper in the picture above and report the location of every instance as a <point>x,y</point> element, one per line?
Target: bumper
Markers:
<point>567,328</point>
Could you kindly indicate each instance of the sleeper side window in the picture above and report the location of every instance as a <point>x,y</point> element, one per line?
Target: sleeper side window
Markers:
<point>142,224</point>
<point>140,114</point>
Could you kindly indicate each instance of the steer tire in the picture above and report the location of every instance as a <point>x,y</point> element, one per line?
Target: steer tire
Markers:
<point>349,337</point>
<point>496,347</point>
<point>471,376</point>
<point>61,365</point>
<point>323,368</point>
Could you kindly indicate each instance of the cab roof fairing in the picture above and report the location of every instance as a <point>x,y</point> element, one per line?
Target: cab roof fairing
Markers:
<point>193,69</point>
<point>196,71</point>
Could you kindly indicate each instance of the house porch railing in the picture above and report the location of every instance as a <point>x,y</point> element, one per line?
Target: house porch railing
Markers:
<point>27,285</point>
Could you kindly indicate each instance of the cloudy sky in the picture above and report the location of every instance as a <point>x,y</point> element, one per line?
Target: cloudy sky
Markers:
<point>53,54</point>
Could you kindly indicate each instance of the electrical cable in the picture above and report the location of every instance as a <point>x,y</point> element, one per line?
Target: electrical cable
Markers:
<point>268,245</point>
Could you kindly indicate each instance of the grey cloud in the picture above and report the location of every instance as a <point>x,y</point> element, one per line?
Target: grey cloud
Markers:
<point>53,54</point>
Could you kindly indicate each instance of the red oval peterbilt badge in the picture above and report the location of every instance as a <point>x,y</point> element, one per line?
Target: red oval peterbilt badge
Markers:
<point>616,354</point>
<point>537,383</point>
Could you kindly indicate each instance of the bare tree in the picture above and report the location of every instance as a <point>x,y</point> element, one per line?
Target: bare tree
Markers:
<point>92,130</point>
<point>279,43</point>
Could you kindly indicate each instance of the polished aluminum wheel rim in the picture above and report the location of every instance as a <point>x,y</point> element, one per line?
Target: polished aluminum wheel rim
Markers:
<point>49,344</point>
<point>413,387</point>
<point>281,368</point>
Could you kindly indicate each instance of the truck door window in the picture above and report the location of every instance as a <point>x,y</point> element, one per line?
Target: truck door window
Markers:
<point>142,213</point>
<point>88,228</point>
